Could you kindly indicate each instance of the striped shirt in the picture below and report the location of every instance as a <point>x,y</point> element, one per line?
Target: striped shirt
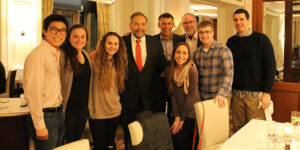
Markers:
<point>215,68</point>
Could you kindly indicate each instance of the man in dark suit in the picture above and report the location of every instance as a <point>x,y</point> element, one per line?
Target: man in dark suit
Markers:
<point>189,23</point>
<point>145,61</point>
<point>168,41</point>
<point>167,38</point>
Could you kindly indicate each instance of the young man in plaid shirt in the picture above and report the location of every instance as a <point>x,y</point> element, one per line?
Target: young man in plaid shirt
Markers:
<point>215,66</point>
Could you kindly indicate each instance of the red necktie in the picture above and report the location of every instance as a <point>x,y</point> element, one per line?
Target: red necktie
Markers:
<point>138,55</point>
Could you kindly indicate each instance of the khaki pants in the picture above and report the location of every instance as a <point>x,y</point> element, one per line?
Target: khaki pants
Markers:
<point>228,101</point>
<point>244,109</point>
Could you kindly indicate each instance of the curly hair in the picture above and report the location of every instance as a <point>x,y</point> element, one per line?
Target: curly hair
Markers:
<point>102,68</point>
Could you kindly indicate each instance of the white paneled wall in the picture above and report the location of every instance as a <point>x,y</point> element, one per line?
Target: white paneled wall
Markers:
<point>122,9</point>
<point>21,28</point>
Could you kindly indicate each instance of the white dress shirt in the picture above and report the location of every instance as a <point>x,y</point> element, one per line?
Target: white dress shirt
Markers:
<point>142,45</point>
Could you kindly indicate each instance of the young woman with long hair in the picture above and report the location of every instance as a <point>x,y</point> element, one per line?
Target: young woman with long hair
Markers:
<point>76,77</point>
<point>110,66</point>
<point>182,81</point>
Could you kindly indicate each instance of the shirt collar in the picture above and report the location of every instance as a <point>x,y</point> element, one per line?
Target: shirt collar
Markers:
<point>52,49</point>
<point>161,37</point>
<point>133,38</point>
<point>247,34</point>
<point>212,47</point>
<point>195,36</point>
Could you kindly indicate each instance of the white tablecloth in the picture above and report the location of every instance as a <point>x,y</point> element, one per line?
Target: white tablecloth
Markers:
<point>253,136</point>
<point>12,108</point>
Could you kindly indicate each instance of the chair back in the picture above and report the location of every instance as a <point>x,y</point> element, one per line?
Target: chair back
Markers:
<point>77,145</point>
<point>150,131</point>
<point>136,133</point>
<point>10,84</point>
<point>215,123</point>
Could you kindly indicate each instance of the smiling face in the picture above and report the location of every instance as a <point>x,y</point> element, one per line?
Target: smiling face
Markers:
<point>58,38</point>
<point>78,38</point>
<point>189,24</point>
<point>241,23</point>
<point>206,36</point>
<point>181,55</point>
<point>138,26</point>
<point>166,25</point>
<point>111,45</point>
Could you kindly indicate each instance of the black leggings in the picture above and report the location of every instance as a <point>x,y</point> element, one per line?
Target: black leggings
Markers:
<point>75,121</point>
<point>103,132</point>
<point>183,140</point>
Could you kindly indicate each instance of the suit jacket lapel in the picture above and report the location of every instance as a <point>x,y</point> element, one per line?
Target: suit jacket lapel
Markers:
<point>148,48</point>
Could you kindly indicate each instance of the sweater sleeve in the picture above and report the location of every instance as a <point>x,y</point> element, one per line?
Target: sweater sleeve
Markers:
<point>192,95</point>
<point>268,63</point>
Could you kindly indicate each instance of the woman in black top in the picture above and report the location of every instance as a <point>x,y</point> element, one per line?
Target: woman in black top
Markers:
<point>76,74</point>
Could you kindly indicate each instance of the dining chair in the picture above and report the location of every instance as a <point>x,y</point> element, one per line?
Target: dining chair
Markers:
<point>136,133</point>
<point>10,83</point>
<point>151,132</point>
<point>213,124</point>
<point>77,145</point>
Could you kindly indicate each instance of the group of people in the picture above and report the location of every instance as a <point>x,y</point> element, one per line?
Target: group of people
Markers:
<point>126,77</point>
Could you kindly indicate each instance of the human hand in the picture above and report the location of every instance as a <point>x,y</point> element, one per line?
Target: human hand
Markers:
<point>265,100</point>
<point>193,64</point>
<point>126,34</point>
<point>221,101</point>
<point>181,124</point>
<point>42,134</point>
<point>175,128</point>
<point>93,54</point>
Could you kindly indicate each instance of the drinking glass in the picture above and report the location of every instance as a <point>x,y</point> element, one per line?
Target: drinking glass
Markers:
<point>288,130</point>
<point>271,130</point>
<point>295,118</point>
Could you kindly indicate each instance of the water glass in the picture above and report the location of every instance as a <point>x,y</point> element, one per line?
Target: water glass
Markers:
<point>271,130</point>
<point>295,118</point>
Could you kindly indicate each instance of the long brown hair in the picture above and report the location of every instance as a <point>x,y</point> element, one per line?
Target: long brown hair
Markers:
<point>71,53</point>
<point>171,70</point>
<point>102,67</point>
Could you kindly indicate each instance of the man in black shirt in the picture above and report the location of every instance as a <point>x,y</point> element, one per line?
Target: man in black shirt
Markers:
<point>254,71</point>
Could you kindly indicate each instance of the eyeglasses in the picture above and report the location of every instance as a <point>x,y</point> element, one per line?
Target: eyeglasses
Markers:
<point>62,31</point>
<point>206,32</point>
<point>190,22</point>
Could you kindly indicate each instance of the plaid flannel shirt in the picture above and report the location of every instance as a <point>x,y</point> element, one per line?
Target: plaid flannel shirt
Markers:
<point>215,69</point>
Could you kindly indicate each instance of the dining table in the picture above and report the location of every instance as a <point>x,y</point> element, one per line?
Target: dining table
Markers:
<point>253,136</point>
<point>13,126</point>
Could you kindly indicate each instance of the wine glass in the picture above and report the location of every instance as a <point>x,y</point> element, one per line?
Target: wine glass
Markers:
<point>271,130</point>
<point>288,130</point>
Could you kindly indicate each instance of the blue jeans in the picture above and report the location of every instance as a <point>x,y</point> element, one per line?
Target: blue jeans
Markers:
<point>55,124</point>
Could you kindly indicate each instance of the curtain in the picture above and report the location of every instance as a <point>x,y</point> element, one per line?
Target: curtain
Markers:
<point>76,17</point>
<point>102,18</point>
<point>47,7</point>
